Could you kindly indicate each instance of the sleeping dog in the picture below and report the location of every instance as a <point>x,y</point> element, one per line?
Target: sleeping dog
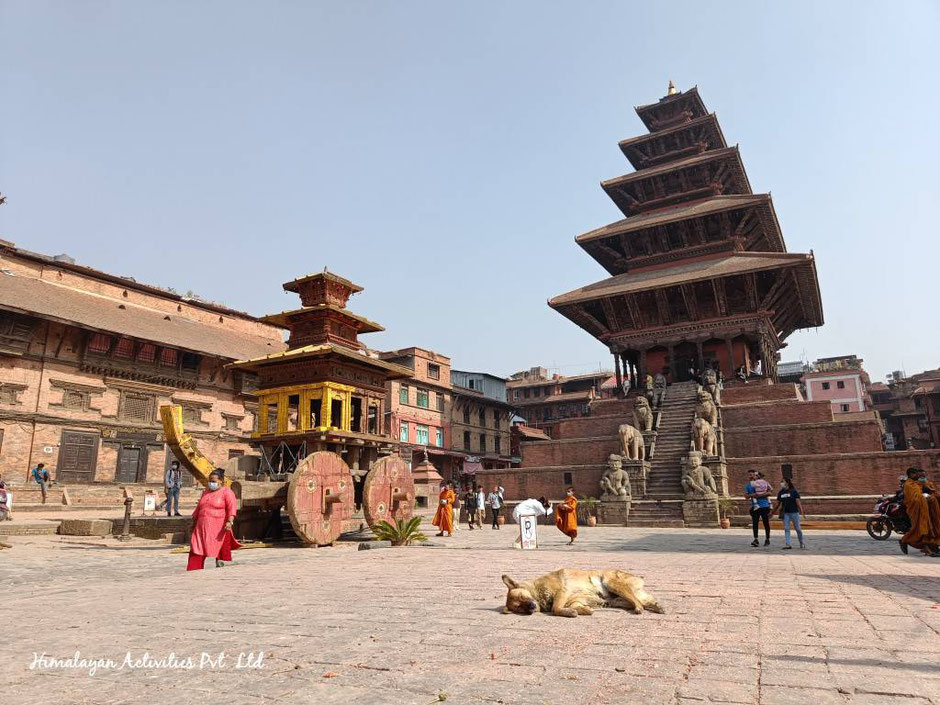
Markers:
<point>568,593</point>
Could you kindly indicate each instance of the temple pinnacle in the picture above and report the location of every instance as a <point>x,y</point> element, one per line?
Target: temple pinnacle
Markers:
<point>672,88</point>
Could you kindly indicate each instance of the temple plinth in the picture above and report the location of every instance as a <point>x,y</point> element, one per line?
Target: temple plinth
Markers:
<point>700,275</point>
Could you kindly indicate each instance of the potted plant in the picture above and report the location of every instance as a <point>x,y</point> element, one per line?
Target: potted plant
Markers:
<point>403,532</point>
<point>587,508</point>
<point>725,512</point>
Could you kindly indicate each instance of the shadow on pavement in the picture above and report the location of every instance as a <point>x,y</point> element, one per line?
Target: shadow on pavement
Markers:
<point>923,587</point>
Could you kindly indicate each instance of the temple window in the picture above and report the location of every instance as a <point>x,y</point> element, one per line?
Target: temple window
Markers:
<point>168,357</point>
<point>124,349</point>
<point>356,414</point>
<point>403,431</point>
<point>466,414</point>
<point>482,416</point>
<point>99,344</point>
<point>147,353</point>
<point>482,442</point>
<point>314,411</point>
<point>373,419</point>
<point>293,412</point>
<point>336,413</point>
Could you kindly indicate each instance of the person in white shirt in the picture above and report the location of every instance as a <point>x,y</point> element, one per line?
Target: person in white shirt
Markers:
<point>481,506</point>
<point>495,501</point>
<point>530,507</point>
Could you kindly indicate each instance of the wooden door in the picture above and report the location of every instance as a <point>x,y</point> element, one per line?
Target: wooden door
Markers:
<point>129,458</point>
<point>78,455</point>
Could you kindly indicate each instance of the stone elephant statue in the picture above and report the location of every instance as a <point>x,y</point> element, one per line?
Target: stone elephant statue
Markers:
<point>631,443</point>
<point>704,438</point>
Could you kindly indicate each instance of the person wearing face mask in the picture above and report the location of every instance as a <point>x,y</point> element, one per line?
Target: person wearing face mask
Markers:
<point>566,516</point>
<point>923,509</point>
<point>789,498</point>
<point>212,526</point>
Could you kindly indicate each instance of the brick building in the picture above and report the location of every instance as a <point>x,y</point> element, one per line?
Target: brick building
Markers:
<point>910,410</point>
<point>543,401</point>
<point>87,358</point>
<point>842,381</point>
<point>419,407</point>
<point>480,421</point>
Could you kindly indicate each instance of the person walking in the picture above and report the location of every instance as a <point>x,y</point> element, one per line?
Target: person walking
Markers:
<point>213,519</point>
<point>758,491</point>
<point>172,482</point>
<point>495,502</point>
<point>566,516</point>
<point>470,502</point>
<point>788,498</point>
<point>456,507</point>
<point>41,476</point>
<point>444,517</point>
<point>481,505</point>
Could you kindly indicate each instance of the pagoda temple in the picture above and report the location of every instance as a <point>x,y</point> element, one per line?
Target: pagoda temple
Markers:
<point>699,269</point>
<point>326,391</point>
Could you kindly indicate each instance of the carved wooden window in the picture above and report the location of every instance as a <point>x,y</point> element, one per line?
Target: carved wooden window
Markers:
<point>482,415</point>
<point>440,401</point>
<point>496,445</point>
<point>190,362</point>
<point>192,416</point>
<point>272,420</point>
<point>9,393</point>
<point>466,440</point>
<point>233,423</point>
<point>99,344</point>
<point>137,407</point>
<point>466,414</point>
<point>147,353</point>
<point>168,357</point>
<point>124,349</point>
<point>482,442</point>
<point>74,399</point>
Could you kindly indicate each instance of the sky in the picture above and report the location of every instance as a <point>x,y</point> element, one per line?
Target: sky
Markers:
<point>445,155</point>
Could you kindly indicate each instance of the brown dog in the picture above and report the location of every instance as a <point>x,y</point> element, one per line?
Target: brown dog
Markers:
<point>568,593</point>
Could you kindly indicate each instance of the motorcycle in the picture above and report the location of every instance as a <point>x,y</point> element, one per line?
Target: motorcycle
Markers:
<point>889,515</point>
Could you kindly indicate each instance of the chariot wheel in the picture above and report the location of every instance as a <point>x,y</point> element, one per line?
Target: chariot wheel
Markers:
<point>388,493</point>
<point>320,498</point>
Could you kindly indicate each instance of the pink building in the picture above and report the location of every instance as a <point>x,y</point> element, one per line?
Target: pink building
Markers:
<point>845,389</point>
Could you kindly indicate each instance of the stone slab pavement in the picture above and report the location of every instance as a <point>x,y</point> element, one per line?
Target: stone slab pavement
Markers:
<point>849,621</point>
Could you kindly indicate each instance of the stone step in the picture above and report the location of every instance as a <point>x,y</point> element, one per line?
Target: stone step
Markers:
<point>654,523</point>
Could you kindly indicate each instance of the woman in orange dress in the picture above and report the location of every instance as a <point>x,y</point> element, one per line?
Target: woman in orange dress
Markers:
<point>566,515</point>
<point>212,526</point>
<point>444,518</point>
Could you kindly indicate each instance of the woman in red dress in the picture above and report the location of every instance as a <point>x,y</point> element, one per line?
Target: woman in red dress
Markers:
<point>212,526</point>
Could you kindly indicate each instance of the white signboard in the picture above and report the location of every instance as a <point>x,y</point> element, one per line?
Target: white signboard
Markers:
<point>528,531</point>
<point>150,502</point>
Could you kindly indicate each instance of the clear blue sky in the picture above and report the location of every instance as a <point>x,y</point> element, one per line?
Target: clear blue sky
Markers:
<point>445,155</point>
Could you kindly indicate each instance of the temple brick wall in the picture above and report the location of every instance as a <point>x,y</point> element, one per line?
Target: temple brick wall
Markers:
<point>776,413</point>
<point>606,407</point>
<point>757,392</point>
<point>549,482</point>
<point>577,451</point>
<point>797,439</point>
<point>590,426</point>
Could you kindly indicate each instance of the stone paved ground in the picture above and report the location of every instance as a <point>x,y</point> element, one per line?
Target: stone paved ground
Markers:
<point>849,621</point>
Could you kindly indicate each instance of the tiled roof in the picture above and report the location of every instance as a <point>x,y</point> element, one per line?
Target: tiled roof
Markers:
<point>682,273</point>
<point>532,434</point>
<point>84,309</point>
<point>283,318</point>
<point>393,371</point>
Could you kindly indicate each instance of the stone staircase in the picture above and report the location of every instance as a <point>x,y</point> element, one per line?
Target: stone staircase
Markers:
<point>663,503</point>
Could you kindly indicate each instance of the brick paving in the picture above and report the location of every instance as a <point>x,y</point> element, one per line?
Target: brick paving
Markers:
<point>850,621</point>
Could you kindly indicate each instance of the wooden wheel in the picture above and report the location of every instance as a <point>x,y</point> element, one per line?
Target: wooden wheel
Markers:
<point>320,498</point>
<point>388,493</point>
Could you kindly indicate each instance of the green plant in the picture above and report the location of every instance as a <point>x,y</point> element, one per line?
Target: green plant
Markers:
<point>587,507</point>
<point>403,533</point>
<point>726,507</point>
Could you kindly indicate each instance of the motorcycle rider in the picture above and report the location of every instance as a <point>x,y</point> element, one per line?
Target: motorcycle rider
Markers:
<point>923,508</point>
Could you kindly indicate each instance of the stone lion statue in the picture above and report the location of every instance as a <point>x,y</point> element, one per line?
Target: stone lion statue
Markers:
<point>706,409</point>
<point>615,484</point>
<point>642,414</point>
<point>710,384</point>
<point>703,437</point>
<point>631,443</point>
<point>697,480</point>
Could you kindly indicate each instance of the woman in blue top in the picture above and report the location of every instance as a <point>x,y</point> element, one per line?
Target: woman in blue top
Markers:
<point>789,498</point>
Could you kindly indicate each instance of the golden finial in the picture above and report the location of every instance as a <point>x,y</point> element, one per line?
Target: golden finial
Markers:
<point>672,88</point>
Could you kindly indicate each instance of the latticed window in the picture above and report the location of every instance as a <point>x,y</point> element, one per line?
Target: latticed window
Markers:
<point>72,399</point>
<point>168,357</point>
<point>99,344</point>
<point>8,394</point>
<point>192,416</point>
<point>147,353</point>
<point>137,407</point>
<point>124,349</point>
<point>232,423</point>
<point>272,420</point>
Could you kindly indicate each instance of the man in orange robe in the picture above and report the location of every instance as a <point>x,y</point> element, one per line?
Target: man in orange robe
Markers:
<point>566,516</point>
<point>444,518</point>
<point>923,509</point>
